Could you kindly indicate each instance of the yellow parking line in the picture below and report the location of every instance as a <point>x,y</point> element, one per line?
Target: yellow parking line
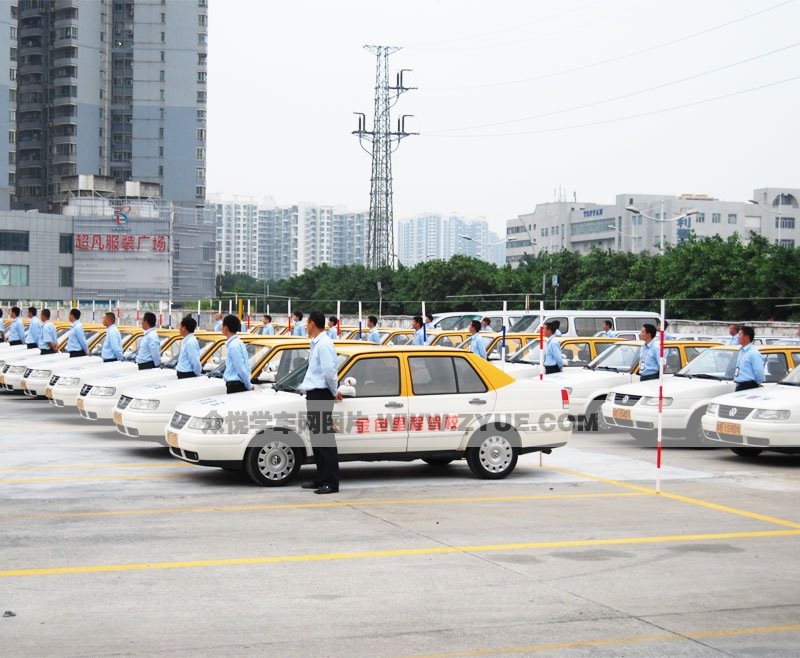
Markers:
<point>439,550</point>
<point>613,641</point>
<point>683,499</point>
<point>353,504</point>
<point>177,464</point>
<point>95,477</point>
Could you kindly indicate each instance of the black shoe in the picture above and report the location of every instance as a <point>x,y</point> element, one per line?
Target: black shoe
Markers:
<point>311,485</point>
<point>326,489</point>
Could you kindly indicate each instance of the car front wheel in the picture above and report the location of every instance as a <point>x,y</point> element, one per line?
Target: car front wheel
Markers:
<point>273,464</point>
<point>747,452</point>
<point>493,456</point>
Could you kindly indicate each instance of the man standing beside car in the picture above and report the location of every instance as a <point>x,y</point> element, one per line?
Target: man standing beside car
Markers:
<point>649,366</point>
<point>34,329</point>
<point>76,343</point>
<point>16,332</point>
<point>321,388</point>
<point>149,354</point>
<point>553,359</point>
<point>189,358</point>
<point>48,343</point>
<point>749,364</point>
<point>112,342</point>
<point>237,363</point>
<point>267,329</point>
<point>476,344</point>
<point>374,334</point>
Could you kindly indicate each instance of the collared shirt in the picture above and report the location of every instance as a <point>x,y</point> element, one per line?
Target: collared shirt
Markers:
<point>218,325</point>
<point>237,364</point>
<point>419,338</point>
<point>333,333</point>
<point>487,328</point>
<point>374,336</point>
<point>17,330</point>
<point>321,371</point>
<point>552,352</point>
<point>112,344</point>
<point>609,333</point>
<point>49,335</point>
<point>749,365</point>
<point>77,338</point>
<point>298,329</point>
<point>189,358</point>
<point>648,359</point>
<point>150,348</point>
<point>478,346</point>
<point>734,340</point>
<point>268,330</point>
<point>34,331</point>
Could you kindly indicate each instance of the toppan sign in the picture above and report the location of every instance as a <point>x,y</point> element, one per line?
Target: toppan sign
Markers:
<point>594,212</point>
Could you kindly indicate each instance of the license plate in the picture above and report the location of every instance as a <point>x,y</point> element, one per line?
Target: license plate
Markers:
<point>2,379</point>
<point>622,414</point>
<point>24,385</point>
<point>80,404</point>
<point>172,439</point>
<point>117,418</point>
<point>48,392</point>
<point>728,428</point>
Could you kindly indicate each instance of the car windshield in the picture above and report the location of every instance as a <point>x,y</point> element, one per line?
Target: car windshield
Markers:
<point>449,324</point>
<point>711,364</point>
<point>620,358</point>
<point>792,379</point>
<point>527,324</point>
<point>528,354</point>
<point>465,344</point>
<point>293,380</point>
<point>256,353</point>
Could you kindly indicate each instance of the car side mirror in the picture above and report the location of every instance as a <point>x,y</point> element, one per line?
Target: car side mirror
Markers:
<point>348,387</point>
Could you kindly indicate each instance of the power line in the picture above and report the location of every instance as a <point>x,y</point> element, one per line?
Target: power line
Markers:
<point>620,97</point>
<point>624,118</point>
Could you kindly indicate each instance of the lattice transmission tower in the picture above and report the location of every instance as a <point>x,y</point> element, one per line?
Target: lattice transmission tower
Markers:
<point>384,141</point>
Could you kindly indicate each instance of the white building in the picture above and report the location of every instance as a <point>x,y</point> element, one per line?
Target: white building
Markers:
<point>662,220</point>
<point>433,236</point>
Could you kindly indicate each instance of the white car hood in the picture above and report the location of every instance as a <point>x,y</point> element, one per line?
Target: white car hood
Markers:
<point>179,389</point>
<point>677,388</point>
<point>124,376</point>
<point>771,396</point>
<point>37,360</point>
<point>249,401</point>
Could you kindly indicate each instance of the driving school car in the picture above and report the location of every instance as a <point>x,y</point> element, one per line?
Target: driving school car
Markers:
<point>577,352</point>
<point>400,403</point>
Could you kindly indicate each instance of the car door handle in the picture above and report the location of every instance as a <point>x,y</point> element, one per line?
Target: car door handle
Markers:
<point>477,401</point>
<point>393,405</point>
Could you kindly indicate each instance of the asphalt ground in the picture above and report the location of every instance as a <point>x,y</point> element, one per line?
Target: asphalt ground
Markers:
<point>110,547</point>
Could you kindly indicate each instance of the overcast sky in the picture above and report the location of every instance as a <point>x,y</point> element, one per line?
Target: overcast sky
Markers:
<point>518,101</point>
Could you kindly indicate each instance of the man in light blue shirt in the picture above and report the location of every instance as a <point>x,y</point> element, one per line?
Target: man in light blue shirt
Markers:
<point>76,343</point>
<point>48,342</point>
<point>16,332</point>
<point>477,346</point>
<point>218,322</point>
<point>189,358</point>
<point>333,327</point>
<point>299,328</point>
<point>112,342</point>
<point>267,329</point>
<point>149,353</point>
<point>667,335</point>
<point>34,329</point>
<point>237,363</point>
<point>733,331</point>
<point>608,331</point>
<point>322,388</point>
<point>486,324</point>
<point>553,359</point>
<point>419,331</point>
<point>374,334</point>
<point>649,364</point>
<point>749,364</point>
<point>429,324</point>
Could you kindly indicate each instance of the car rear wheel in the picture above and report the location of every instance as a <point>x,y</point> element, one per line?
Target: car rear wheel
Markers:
<point>493,456</point>
<point>747,452</point>
<point>273,464</point>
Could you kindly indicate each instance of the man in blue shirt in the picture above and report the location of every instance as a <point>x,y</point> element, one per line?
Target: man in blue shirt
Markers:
<point>299,328</point>
<point>749,364</point>
<point>322,388</point>
<point>419,332</point>
<point>486,324</point>
<point>48,342</point>
<point>429,323</point>
<point>476,345</point>
<point>34,329</point>
<point>267,329</point>
<point>189,358</point>
<point>112,342</point>
<point>218,322</point>
<point>237,363</point>
<point>608,332</point>
<point>649,364</point>
<point>16,332</point>
<point>374,335</point>
<point>667,335</point>
<point>76,343</point>
<point>149,353</point>
<point>333,327</point>
<point>733,331</point>
<point>553,359</point>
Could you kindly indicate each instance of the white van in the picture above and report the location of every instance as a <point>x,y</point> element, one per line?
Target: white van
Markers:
<point>459,321</point>
<point>587,323</point>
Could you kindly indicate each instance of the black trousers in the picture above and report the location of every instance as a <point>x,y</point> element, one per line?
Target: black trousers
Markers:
<point>743,386</point>
<point>147,365</point>
<point>31,346</point>
<point>185,375</point>
<point>549,370</point>
<point>319,407</point>
<point>108,360</point>
<point>15,342</point>
<point>76,353</point>
<point>644,378</point>
<point>235,387</point>
<point>47,350</point>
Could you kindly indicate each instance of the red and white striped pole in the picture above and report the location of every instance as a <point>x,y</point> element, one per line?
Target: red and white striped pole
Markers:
<point>137,311</point>
<point>248,315</point>
<point>660,398</point>
<point>339,318</point>
<point>541,340</point>
<point>289,316</point>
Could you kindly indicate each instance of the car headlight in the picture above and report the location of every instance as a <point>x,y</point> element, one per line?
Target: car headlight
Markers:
<point>144,404</point>
<point>40,373</point>
<point>205,424</point>
<point>104,391</point>
<point>652,401</point>
<point>772,414</point>
<point>712,409</point>
<point>69,381</point>
<point>16,370</point>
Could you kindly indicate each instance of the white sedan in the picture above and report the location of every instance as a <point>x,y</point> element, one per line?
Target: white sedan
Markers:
<point>401,403</point>
<point>758,419</point>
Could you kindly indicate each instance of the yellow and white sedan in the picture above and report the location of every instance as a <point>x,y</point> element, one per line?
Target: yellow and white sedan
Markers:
<point>400,403</point>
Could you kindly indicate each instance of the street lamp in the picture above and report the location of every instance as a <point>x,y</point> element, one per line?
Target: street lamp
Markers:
<point>632,236</point>
<point>487,244</point>
<point>661,220</point>
<point>778,213</point>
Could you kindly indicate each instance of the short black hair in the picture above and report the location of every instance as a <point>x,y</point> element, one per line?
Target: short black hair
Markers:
<point>111,317</point>
<point>32,310</point>
<point>333,319</point>
<point>189,323</point>
<point>429,317</point>
<point>15,310</point>
<point>748,331</point>
<point>552,325</point>
<point>608,323</point>
<point>475,325</point>
<point>150,318</point>
<point>317,318</point>
<point>76,313</point>
<point>46,313</point>
<point>373,319</point>
<point>233,323</point>
<point>418,319</point>
<point>649,329</point>
<point>298,315</point>
<point>267,317</point>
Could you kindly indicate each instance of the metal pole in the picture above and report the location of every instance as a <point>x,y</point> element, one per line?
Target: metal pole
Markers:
<point>660,398</point>
<point>661,247</point>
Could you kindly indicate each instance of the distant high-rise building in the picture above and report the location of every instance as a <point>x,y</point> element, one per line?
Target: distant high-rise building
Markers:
<point>433,236</point>
<point>115,89</point>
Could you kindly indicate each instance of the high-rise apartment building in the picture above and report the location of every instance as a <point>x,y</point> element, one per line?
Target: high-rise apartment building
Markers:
<point>433,236</point>
<point>114,88</point>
